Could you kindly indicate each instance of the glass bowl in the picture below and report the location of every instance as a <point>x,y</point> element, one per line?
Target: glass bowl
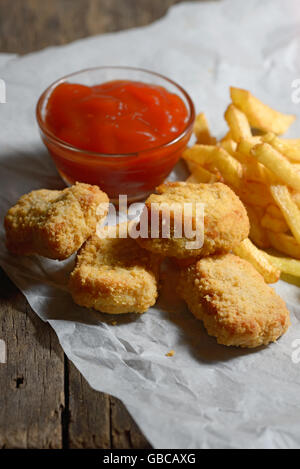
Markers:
<point>132,174</point>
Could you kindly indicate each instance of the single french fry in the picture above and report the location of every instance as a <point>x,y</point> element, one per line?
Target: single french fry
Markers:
<point>200,174</point>
<point>238,123</point>
<point>246,250</point>
<point>205,176</point>
<point>200,154</point>
<point>288,208</point>
<point>274,224</point>
<point>284,243</point>
<point>230,146</point>
<point>286,265</point>
<point>260,116</point>
<point>202,132</point>
<point>277,163</point>
<point>290,150</point>
<point>257,234</point>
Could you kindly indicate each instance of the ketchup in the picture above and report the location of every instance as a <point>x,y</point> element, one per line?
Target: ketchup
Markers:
<point>124,136</point>
<point>116,117</point>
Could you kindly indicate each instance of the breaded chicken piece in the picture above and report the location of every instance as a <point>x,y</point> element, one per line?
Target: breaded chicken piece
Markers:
<point>234,302</point>
<point>226,222</point>
<point>54,223</point>
<point>115,275</point>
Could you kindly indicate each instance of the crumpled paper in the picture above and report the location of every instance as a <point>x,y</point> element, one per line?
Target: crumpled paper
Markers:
<point>207,395</point>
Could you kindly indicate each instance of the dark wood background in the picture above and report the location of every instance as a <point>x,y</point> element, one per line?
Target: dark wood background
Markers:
<point>44,401</point>
<point>28,25</point>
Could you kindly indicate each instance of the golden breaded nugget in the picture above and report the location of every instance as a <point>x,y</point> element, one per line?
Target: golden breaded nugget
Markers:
<point>233,301</point>
<point>54,223</point>
<point>225,219</point>
<point>115,275</point>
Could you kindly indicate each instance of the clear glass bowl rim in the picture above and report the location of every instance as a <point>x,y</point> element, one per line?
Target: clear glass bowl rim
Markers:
<point>72,148</point>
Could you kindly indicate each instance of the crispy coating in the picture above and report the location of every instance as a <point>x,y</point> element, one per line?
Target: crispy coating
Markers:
<point>54,223</point>
<point>115,275</point>
<point>233,301</point>
<point>226,222</point>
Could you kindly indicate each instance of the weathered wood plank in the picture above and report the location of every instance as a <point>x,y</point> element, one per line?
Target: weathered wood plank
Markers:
<point>32,25</point>
<point>125,434</point>
<point>32,380</point>
<point>89,414</point>
<point>97,420</point>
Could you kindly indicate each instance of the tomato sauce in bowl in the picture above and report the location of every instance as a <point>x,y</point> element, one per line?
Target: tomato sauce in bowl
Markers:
<point>123,134</point>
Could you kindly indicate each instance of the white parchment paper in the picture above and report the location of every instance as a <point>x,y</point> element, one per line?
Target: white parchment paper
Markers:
<point>207,395</point>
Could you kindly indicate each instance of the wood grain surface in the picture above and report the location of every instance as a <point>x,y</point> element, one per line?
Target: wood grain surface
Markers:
<point>32,383</point>
<point>44,401</point>
<point>27,25</point>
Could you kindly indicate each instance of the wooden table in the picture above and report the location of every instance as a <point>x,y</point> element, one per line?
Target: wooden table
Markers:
<point>44,401</point>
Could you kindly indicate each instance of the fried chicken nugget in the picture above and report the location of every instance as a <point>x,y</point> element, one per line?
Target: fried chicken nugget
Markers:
<point>54,223</point>
<point>115,275</point>
<point>233,301</point>
<point>226,222</point>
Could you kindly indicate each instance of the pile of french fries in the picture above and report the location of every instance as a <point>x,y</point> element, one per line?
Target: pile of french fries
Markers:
<point>263,169</point>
